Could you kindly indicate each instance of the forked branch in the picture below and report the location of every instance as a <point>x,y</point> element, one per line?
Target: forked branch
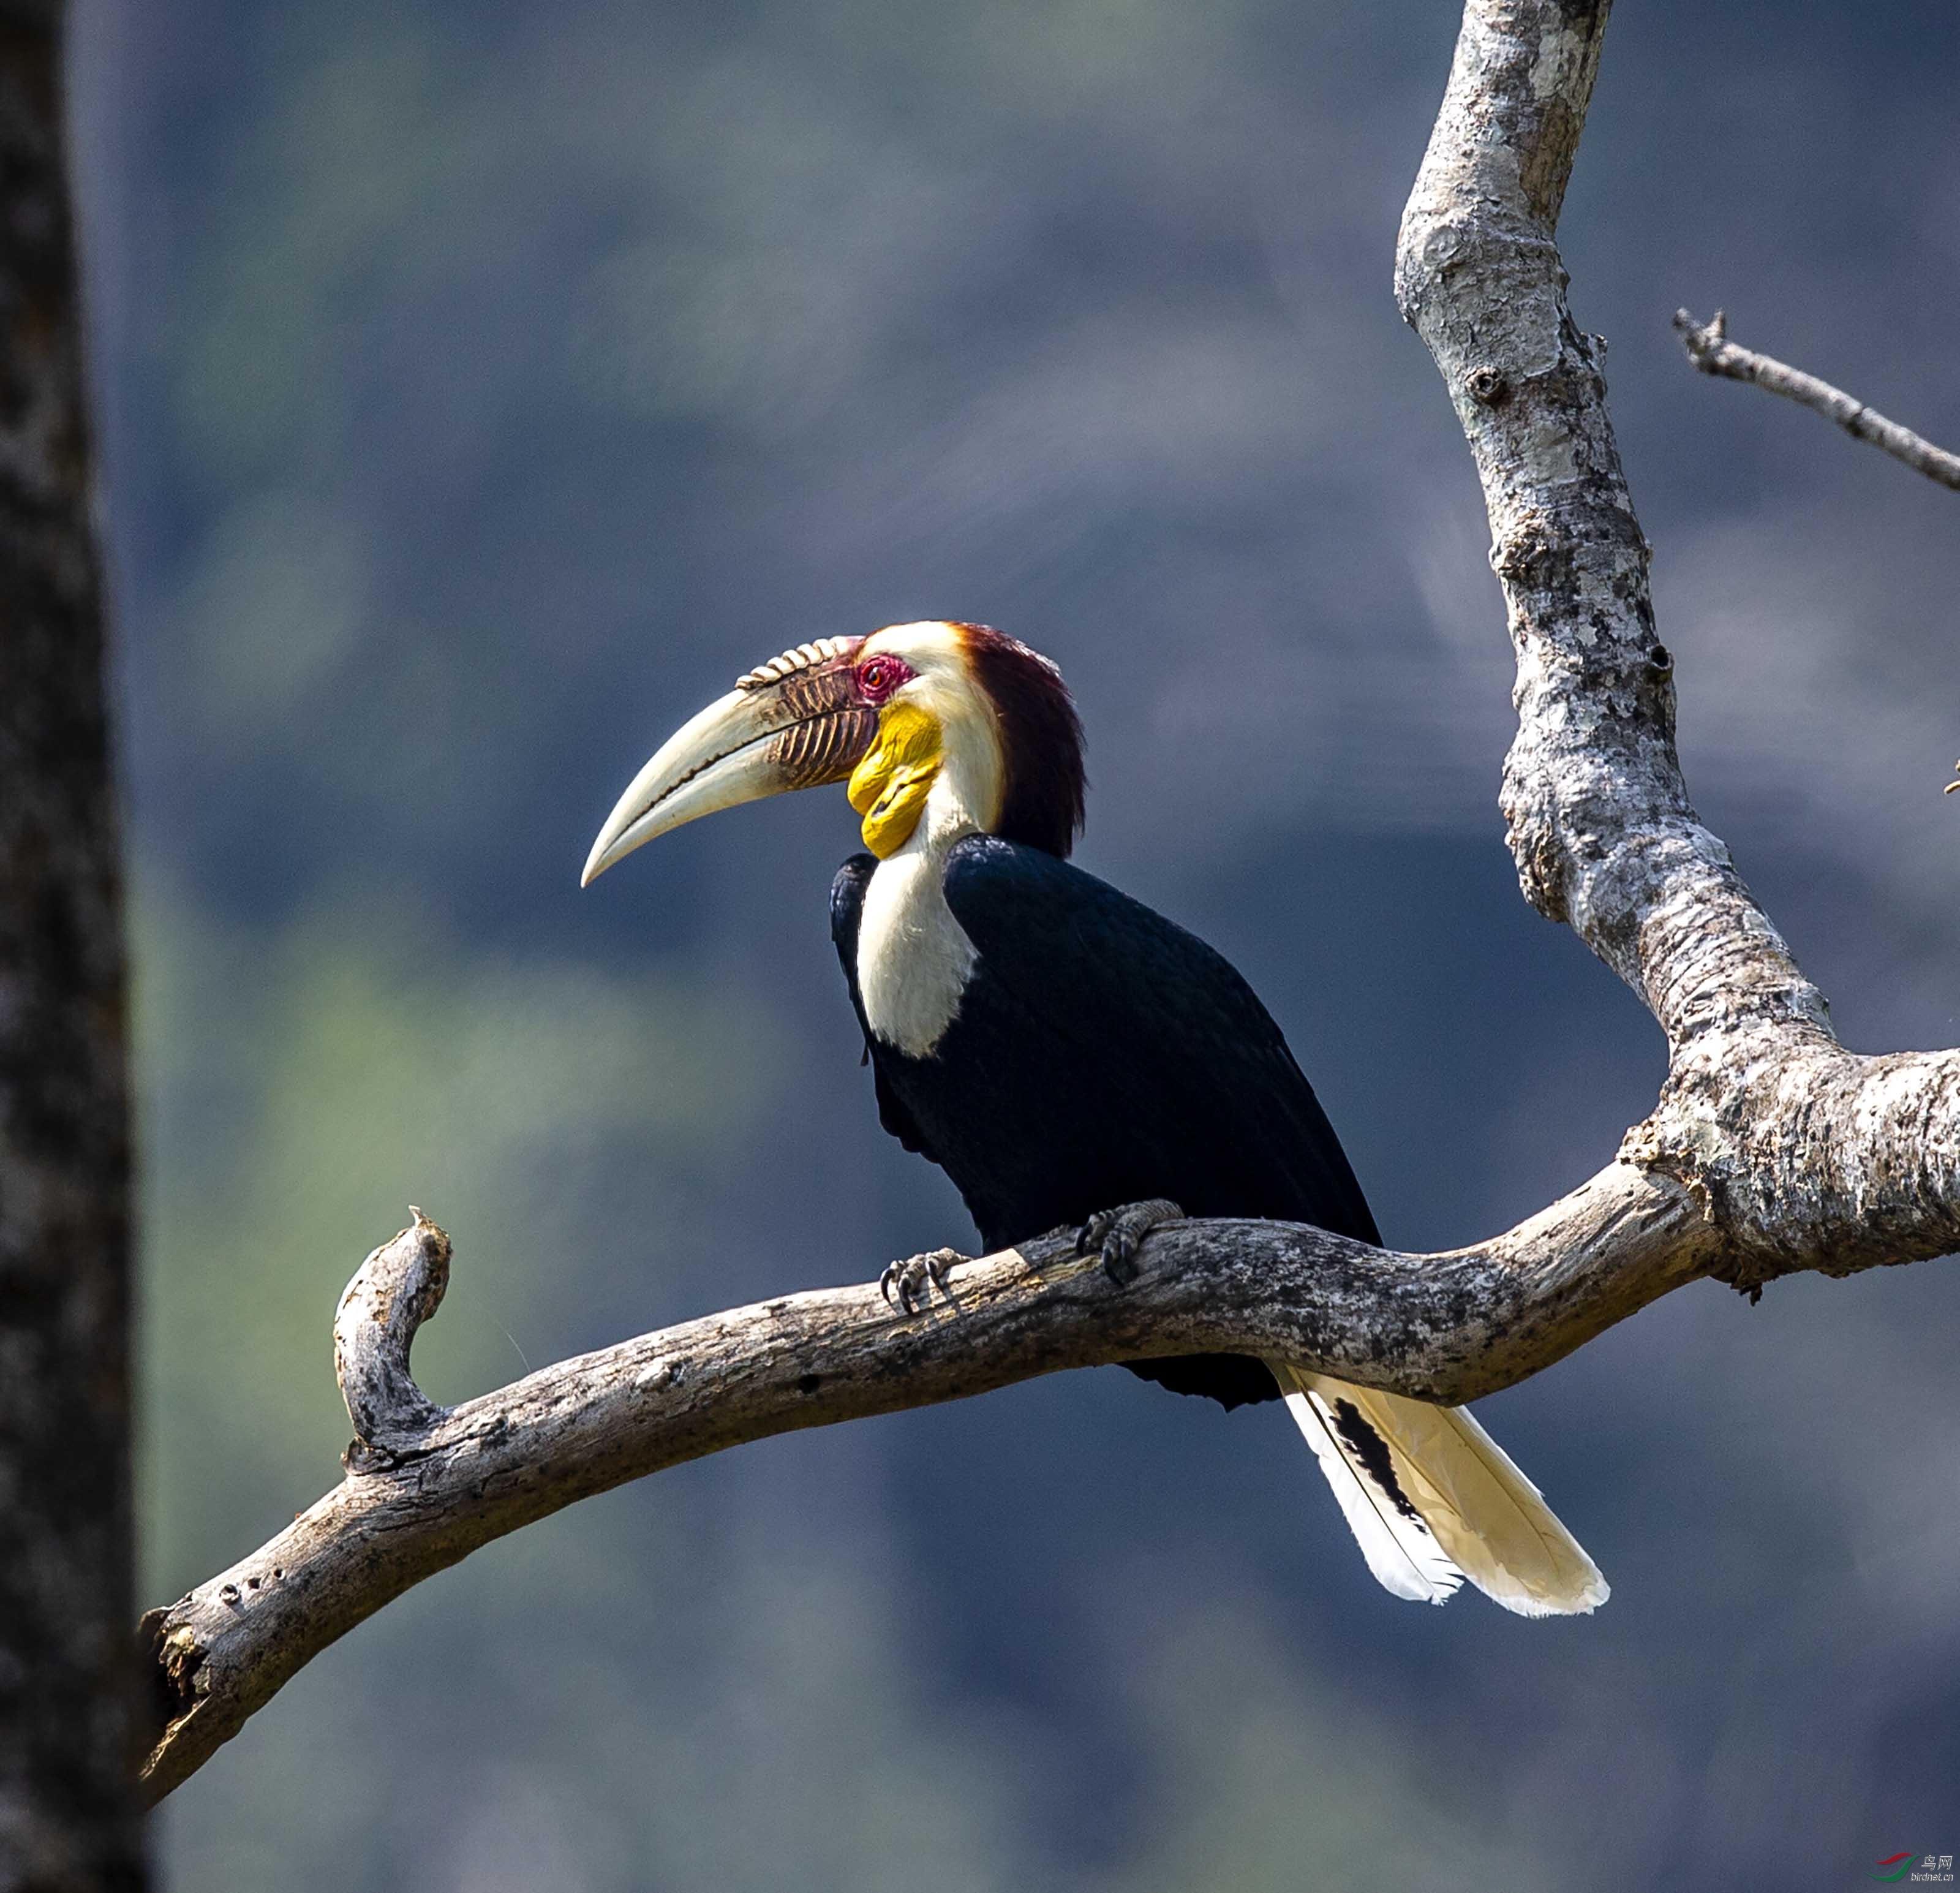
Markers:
<point>1771,1149</point>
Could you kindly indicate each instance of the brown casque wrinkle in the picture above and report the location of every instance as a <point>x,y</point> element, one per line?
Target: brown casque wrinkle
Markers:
<point>824,747</point>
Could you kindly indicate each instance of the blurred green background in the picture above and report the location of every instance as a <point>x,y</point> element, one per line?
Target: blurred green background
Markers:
<point>482,388</point>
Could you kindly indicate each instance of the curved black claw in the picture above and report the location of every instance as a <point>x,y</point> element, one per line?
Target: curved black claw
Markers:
<point>918,1275</point>
<point>1116,1234</point>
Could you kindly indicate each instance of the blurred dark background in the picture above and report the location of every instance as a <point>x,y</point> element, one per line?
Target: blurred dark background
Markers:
<point>481,388</point>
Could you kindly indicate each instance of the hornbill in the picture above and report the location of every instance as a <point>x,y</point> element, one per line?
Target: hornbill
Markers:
<point>990,979</point>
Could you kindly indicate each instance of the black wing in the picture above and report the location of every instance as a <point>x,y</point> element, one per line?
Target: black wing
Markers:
<point>1179,1056</point>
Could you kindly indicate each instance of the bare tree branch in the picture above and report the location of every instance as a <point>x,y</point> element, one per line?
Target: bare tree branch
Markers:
<point>1800,1154</point>
<point>1772,1149</point>
<point>425,1485</point>
<point>1710,350</point>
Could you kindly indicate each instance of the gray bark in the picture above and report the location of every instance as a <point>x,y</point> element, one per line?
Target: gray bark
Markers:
<point>1799,1154</point>
<point>1710,350</point>
<point>69,1813</point>
<point>426,1485</point>
<point>1771,1149</point>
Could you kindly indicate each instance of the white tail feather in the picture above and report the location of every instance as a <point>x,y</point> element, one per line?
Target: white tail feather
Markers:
<point>1476,1515</point>
<point>1400,1549</point>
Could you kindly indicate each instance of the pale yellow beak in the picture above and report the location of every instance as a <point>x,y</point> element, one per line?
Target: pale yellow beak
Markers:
<point>779,729</point>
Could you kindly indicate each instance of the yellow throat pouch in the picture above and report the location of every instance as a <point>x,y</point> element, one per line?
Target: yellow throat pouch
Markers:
<point>888,787</point>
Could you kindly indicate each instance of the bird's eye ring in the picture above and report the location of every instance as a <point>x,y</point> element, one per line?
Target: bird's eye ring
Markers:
<point>879,676</point>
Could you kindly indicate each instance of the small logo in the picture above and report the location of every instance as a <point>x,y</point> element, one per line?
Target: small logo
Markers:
<point>1927,1870</point>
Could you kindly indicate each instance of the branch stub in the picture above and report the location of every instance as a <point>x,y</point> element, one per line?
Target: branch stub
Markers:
<point>398,1287</point>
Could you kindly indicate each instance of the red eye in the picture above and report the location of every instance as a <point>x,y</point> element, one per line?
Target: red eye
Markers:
<point>879,676</point>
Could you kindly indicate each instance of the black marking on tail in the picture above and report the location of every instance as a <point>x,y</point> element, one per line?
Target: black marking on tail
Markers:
<point>1372,1450</point>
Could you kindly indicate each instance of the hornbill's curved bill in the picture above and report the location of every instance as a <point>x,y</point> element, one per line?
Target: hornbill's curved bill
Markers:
<point>1066,1056</point>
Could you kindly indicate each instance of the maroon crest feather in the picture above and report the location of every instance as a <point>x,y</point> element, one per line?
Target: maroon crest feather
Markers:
<point>1042,797</point>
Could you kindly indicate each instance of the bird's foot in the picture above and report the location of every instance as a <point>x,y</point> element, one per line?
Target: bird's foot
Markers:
<point>1116,1234</point>
<point>916,1277</point>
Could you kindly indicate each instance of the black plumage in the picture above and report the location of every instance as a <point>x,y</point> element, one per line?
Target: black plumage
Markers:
<point>1102,1055</point>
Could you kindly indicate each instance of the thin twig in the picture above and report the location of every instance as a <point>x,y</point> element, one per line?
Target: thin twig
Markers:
<point>1710,350</point>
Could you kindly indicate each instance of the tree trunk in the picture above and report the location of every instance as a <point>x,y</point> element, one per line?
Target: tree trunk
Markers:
<point>69,1816</point>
